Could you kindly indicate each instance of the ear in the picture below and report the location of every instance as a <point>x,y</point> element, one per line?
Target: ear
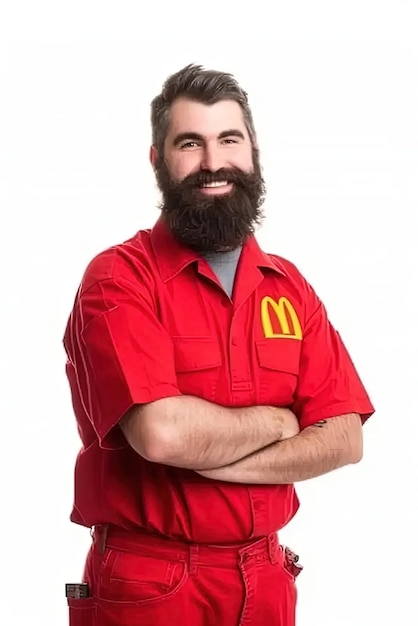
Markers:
<point>255,142</point>
<point>153,156</point>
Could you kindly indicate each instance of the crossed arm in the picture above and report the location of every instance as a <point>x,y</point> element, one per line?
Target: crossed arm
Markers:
<point>248,445</point>
<point>316,450</point>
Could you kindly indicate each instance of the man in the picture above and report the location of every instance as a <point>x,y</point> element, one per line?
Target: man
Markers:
<point>206,380</point>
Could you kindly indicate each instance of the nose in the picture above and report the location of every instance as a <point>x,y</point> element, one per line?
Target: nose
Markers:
<point>212,159</point>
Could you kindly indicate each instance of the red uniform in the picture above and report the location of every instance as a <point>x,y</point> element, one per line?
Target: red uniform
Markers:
<point>150,320</point>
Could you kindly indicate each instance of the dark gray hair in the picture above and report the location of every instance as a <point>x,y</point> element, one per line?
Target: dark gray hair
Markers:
<point>201,85</point>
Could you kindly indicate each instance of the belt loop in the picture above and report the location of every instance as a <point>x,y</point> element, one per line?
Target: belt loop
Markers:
<point>193,556</point>
<point>273,548</point>
<point>100,537</point>
<point>104,538</point>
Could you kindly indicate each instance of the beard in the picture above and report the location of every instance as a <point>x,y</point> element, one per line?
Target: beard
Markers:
<point>215,223</point>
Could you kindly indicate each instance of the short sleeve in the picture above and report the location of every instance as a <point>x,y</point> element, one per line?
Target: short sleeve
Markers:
<point>120,352</point>
<point>329,384</point>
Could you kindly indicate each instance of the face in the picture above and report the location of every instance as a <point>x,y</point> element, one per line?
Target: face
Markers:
<point>207,138</point>
<point>209,175</point>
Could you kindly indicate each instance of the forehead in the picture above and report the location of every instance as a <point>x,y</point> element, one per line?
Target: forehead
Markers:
<point>208,120</point>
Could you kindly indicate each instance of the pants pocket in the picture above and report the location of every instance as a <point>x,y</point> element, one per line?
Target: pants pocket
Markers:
<point>82,612</point>
<point>141,589</point>
<point>140,579</point>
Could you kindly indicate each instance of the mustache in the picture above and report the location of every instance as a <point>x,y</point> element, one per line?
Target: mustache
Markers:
<point>228,175</point>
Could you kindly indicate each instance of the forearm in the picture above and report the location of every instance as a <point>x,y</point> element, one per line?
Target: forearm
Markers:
<point>192,433</point>
<point>313,452</point>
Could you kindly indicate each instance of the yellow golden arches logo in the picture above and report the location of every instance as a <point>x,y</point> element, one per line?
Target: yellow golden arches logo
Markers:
<point>289,324</point>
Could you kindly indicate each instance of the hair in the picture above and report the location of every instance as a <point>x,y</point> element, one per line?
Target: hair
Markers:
<point>201,85</point>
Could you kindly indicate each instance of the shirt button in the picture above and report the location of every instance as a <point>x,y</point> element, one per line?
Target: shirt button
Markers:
<point>234,341</point>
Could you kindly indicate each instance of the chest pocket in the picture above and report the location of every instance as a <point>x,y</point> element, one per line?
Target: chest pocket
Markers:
<point>198,363</point>
<point>279,363</point>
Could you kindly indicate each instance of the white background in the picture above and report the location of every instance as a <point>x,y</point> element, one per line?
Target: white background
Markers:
<point>334,91</point>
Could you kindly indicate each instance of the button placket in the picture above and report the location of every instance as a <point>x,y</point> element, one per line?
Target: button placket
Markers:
<point>238,358</point>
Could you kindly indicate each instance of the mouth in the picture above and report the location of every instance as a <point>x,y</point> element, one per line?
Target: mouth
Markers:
<point>216,187</point>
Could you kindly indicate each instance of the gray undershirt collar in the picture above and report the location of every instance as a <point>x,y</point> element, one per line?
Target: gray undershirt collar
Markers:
<point>224,266</point>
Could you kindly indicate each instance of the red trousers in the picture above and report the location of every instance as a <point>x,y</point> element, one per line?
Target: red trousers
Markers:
<point>140,580</point>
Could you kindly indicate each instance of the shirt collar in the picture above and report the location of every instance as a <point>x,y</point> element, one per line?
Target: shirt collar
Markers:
<point>173,257</point>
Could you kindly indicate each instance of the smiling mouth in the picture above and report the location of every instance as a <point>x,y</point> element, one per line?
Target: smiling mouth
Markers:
<point>213,185</point>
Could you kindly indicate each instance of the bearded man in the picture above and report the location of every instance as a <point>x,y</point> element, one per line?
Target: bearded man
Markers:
<point>206,380</point>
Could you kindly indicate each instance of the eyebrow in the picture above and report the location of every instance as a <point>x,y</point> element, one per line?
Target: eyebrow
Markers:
<point>232,132</point>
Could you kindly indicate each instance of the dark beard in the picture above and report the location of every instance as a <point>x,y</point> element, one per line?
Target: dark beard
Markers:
<point>212,223</point>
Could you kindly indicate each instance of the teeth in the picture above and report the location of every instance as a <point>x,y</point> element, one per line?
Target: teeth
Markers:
<point>216,184</point>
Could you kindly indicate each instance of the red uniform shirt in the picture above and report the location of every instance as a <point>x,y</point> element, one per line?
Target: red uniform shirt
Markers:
<point>150,320</point>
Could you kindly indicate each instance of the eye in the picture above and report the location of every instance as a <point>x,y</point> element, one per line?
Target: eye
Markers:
<point>230,141</point>
<point>189,144</point>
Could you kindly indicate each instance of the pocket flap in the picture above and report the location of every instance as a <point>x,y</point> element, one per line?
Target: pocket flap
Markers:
<point>281,355</point>
<point>196,353</point>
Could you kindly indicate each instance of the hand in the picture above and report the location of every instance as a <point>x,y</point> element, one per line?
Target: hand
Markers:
<point>290,424</point>
<point>283,421</point>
